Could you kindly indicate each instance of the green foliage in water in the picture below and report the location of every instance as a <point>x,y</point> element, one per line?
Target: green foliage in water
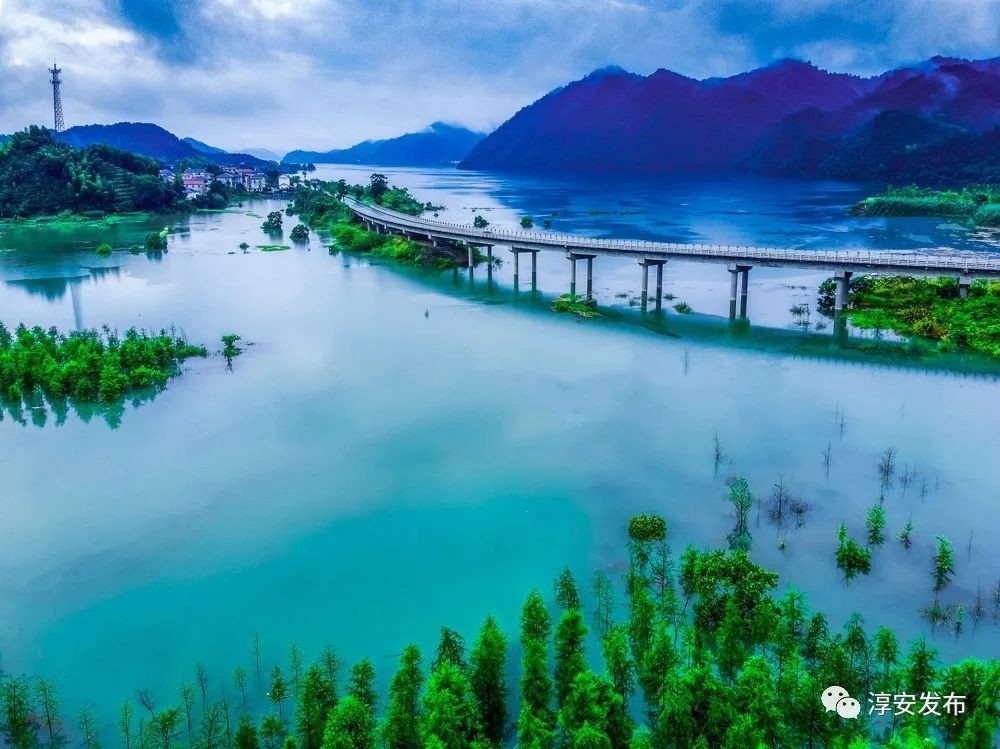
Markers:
<point>272,224</point>
<point>300,233</point>
<point>683,308</point>
<point>852,558</point>
<point>273,247</point>
<point>87,366</point>
<point>41,176</point>
<point>156,241</point>
<point>980,204</point>
<point>479,222</point>
<point>576,304</point>
<point>738,665</point>
<point>103,250</point>
<point>926,308</point>
<point>527,222</point>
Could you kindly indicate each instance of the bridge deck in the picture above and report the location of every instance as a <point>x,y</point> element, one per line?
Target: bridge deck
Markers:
<point>941,261</point>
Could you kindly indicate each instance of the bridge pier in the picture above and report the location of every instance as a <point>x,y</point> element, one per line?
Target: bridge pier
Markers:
<point>739,276</point>
<point>573,257</point>
<point>964,282</point>
<point>645,263</point>
<point>842,296</point>
<point>470,257</point>
<point>516,251</point>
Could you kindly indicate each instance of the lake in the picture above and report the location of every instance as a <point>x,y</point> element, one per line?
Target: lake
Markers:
<point>401,449</point>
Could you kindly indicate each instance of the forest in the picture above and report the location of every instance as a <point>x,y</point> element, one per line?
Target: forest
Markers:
<point>40,176</point>
<point>929,308</point>
<point>697,652</point>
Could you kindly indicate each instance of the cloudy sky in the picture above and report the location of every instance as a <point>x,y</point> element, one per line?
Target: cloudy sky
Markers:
<point>285,74</point>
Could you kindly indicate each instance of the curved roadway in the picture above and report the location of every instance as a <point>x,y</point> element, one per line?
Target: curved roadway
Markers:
<point>937,262</point>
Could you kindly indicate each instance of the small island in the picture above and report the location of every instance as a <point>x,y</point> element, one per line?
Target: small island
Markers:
<point>84,369</point>
<point>979,205</point>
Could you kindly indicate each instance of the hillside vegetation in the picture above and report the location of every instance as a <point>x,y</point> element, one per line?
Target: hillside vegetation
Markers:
<point>40,176</point>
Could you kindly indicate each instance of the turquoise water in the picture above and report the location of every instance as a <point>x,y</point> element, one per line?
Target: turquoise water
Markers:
<point>400,450</point>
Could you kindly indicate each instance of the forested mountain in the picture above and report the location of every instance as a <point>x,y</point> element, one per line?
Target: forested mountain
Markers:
<point>152,140</point>
<point>789,118</point>
<point>439,144</point>
<point>42,176</point>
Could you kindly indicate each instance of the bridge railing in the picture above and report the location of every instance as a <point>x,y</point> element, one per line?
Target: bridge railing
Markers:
<point>887,258</point>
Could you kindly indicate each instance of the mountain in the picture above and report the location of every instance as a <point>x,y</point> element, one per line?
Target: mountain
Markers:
<point>197,145</point>
<point>789,118</point>
<point>151,140</point>
<point>262,153</point>
<point>439,144</point>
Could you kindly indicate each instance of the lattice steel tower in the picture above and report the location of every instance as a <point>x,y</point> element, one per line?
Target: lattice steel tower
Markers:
<point>57,98</point>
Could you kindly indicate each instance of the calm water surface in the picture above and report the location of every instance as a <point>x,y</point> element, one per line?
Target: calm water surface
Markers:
<point>400,450</point>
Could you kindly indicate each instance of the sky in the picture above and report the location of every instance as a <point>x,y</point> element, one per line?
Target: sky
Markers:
<point>320,74</point>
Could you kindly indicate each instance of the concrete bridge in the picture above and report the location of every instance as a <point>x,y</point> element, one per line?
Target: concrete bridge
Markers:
<point>738,260</point>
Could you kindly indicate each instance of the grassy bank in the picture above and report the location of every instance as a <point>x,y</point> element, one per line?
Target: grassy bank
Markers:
<point>980,205</point>
<point>924,307</point>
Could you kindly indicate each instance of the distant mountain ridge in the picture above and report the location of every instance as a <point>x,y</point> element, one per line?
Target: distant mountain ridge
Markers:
<point>789,118</point>
<point>151,140</point>
<point>439,144</point>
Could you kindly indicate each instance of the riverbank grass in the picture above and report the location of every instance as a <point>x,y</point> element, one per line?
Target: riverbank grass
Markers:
<point>980,205</point>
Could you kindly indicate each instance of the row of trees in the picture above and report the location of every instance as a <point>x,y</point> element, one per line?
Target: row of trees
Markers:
<point>704,655</point>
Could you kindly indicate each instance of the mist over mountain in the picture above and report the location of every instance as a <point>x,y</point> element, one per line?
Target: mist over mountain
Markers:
<point>438,145</point>
<point>789,118</point>
<point>151,140</point>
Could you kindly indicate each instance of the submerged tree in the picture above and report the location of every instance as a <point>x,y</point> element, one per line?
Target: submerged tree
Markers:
<point>944,564</point>
<point>742,500</point>
<point>875,525</point>
<point>852,558</point>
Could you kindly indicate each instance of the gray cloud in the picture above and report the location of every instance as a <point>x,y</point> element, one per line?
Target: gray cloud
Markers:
<point>326,73</point>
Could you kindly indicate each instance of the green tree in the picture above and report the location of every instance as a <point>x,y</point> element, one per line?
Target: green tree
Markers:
<point>48,708</point>
<point>604,604</point>
<point>570,660</point>
<point>582,712</point>
<point>536,721</point>
<point>527,222</point>
<point>279,689</point>
<point>742,500</point>
<point>272,730</point>
<point>449,709</point>
<point>451,648</point>
<point>87,723</point>
<point>246,733</point>
<point>361,684</point>
<point>875,525</point>
<point>852,558</point>
<point>378,185</point>
<point>489,687</point>
<point>401,729</point>
<point>479,222</point>
<point>351,725</point>
<point>618,661</point>
<point>567,595</point>
<point>17,722</point>
<point>944,564</point>
<point>316,700</point>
